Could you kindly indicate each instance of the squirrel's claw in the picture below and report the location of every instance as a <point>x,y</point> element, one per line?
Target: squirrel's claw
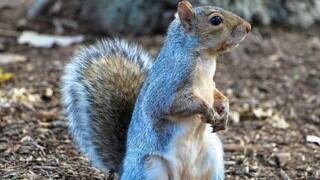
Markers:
<point>221,116</point>
<point>220,123</point>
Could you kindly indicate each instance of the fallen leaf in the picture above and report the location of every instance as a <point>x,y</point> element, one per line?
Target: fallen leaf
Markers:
<point>262,114</point>
<point>23,96</point>
<point>47,41</point>
<point>5,76</point>
<point>277,56</point>
<point>26,139</point>
<point>313,139</point>
<point>278,121</point>
<point>7,58</point>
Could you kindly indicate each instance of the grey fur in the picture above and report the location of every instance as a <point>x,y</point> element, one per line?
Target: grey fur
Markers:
<point>171,69</point>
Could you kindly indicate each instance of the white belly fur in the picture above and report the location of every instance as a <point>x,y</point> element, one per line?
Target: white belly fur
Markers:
<point>195,153</point>
<point>202,84</point>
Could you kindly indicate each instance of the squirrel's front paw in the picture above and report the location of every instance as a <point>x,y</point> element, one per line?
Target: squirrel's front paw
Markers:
<point>221,117</point>
<point>209,117</point>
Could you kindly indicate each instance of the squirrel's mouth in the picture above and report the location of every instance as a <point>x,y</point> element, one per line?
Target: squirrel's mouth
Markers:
<point>233,42</point>
<point>225,46</point>
<point>228,44</point>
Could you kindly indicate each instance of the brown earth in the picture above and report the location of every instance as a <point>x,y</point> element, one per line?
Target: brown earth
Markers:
<point>271,79</point>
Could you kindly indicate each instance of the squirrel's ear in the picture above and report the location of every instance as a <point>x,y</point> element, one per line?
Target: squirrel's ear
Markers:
<point>186,14</point>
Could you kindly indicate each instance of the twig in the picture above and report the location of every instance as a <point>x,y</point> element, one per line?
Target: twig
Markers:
<point>44,167</point>
<point>240,147</point>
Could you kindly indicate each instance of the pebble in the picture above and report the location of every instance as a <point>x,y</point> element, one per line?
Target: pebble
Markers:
<point>283,158</point>
<point>245,170</point>
<point>235,117</point>
<point>3,147</point>
<point>317,174</point>
<point>284,175</point>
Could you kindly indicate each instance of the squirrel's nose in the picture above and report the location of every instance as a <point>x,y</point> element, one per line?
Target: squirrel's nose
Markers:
<point>247,26</point>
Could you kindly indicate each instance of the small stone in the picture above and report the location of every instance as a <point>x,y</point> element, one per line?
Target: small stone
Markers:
<point>235,117</point>
<point>229,92</point>
<point>245,170</point>
<point>314,43</point>
<point>59,124</point>
<point>3,147</point>
<point>284,175</point>
<point>230,163</point>
<point>283,158</point>
<point>271,162</point>
<point>313,139</point>
<point>48,92</point>
<point>254,168</point>
<point>22,24</point>
<point>317,174</point>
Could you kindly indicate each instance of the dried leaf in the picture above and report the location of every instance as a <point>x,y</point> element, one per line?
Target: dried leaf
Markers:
<point>262,114</point>
<point>23,96</point>
<point>278,121</point>
<point>277,56</point>
<point>5,76</point>
<point>7,58</point>
<point>47,41</point>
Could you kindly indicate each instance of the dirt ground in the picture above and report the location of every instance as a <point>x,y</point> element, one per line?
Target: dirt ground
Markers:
<point>272,80</point>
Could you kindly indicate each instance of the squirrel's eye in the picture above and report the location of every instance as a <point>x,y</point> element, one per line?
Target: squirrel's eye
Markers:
<point>216,20</point>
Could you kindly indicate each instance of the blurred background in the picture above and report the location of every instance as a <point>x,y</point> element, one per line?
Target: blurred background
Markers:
<point>272,81</point>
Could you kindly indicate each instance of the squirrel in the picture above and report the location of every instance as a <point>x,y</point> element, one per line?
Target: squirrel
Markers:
<point>150,119</point>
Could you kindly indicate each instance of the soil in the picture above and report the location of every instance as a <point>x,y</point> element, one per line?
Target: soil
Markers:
<point>272,81</point>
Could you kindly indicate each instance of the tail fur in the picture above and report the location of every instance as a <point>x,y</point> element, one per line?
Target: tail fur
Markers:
<point>99,88</point>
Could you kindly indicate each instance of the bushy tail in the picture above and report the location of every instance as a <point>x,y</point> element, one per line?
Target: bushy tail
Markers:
<point>99,88</point>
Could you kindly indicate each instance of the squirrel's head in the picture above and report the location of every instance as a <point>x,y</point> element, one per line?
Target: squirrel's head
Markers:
<point>216,29</point>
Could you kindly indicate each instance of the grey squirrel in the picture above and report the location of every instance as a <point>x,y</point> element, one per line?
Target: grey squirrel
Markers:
<point>146,119</point>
